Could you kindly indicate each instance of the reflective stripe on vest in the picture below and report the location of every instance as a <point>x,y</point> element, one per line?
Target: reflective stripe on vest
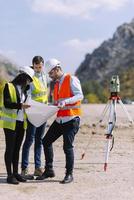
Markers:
<point>8,116</point>
<point>64,93</point>
<point>8,119</point>
<point>70,107</point>
<point>25,121</point>
<point>39,92</point>
<point>67,106</point>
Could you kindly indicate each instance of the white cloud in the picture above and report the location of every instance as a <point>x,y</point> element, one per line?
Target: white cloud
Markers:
<point>81,8</point>
<point>83,46</point>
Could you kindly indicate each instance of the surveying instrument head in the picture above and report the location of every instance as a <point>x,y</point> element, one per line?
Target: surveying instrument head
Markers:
<point>114,85</point>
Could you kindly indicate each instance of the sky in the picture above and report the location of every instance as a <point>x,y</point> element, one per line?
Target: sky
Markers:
<point>62,29</point>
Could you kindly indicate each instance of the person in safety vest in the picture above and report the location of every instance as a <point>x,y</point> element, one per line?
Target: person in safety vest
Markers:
<point>13,120</point>
<point>67,96</point>
<point>38,92</point>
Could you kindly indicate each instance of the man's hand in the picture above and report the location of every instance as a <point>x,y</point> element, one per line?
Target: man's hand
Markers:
<point>61,104</point>
<point>25,106</point>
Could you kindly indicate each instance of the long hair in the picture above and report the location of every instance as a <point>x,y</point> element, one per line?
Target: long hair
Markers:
<point>21,79</point>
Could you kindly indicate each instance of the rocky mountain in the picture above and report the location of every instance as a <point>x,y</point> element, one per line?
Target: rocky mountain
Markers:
<point>113,56</point>
<point>7,69</point>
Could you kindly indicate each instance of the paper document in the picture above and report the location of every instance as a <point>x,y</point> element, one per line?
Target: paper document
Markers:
<point>39,113</point>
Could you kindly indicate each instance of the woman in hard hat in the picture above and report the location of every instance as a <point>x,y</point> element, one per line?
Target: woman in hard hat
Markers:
<point>13,121</point>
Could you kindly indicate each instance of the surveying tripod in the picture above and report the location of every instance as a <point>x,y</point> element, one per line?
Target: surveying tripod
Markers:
<point>111,106</point>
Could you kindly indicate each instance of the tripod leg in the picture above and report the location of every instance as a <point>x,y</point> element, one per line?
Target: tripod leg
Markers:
<point>112,117</point>
<point>104,112</point>
<point>109,135</point>
<point>125,110</point>
<point>107,153</point>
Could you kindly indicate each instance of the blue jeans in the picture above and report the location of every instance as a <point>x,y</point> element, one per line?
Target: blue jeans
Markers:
<point>68,130</point>
<point>33,133</point>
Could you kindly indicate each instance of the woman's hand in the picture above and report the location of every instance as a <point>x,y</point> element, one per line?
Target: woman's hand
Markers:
<point>25,106</point>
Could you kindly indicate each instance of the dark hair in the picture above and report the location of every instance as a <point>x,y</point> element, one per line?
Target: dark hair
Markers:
<point>37,60</point>
<point>21,79</point>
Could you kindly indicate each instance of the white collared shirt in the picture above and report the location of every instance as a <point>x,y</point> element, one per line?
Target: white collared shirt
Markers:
<point>20,114</point>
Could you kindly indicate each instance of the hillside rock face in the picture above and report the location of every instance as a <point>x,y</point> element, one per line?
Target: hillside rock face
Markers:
<point>8,70</point>
<point>112,57</point>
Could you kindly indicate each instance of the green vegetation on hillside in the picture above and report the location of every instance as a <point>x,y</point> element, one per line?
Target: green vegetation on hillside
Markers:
<point>95,92</point>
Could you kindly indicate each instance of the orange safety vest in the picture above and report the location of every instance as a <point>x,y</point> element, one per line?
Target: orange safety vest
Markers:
<point>64,93</point>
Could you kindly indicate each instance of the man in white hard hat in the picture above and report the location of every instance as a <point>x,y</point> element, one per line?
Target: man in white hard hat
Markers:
<point>67,95</point>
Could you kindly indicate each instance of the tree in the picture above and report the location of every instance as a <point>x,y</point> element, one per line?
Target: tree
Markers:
<point>92,98</point>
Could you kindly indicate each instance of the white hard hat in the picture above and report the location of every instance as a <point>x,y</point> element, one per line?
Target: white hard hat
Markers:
<point>27,70</point>
<point>50,64</point>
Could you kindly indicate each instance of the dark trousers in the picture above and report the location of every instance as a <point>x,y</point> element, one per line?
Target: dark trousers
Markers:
<point>68,130</point>
<point>13,141</point>
<point>33,134</point>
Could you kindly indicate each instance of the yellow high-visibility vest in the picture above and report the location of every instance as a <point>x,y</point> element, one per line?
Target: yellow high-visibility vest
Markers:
<point>8,116</point>
<point>39,93</point>
<point>2,85</point>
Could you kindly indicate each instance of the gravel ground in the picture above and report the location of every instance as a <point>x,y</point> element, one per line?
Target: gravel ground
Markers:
<point>90,180</point>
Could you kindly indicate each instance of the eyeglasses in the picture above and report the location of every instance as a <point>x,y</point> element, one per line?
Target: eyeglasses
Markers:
<point>52,70</point>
